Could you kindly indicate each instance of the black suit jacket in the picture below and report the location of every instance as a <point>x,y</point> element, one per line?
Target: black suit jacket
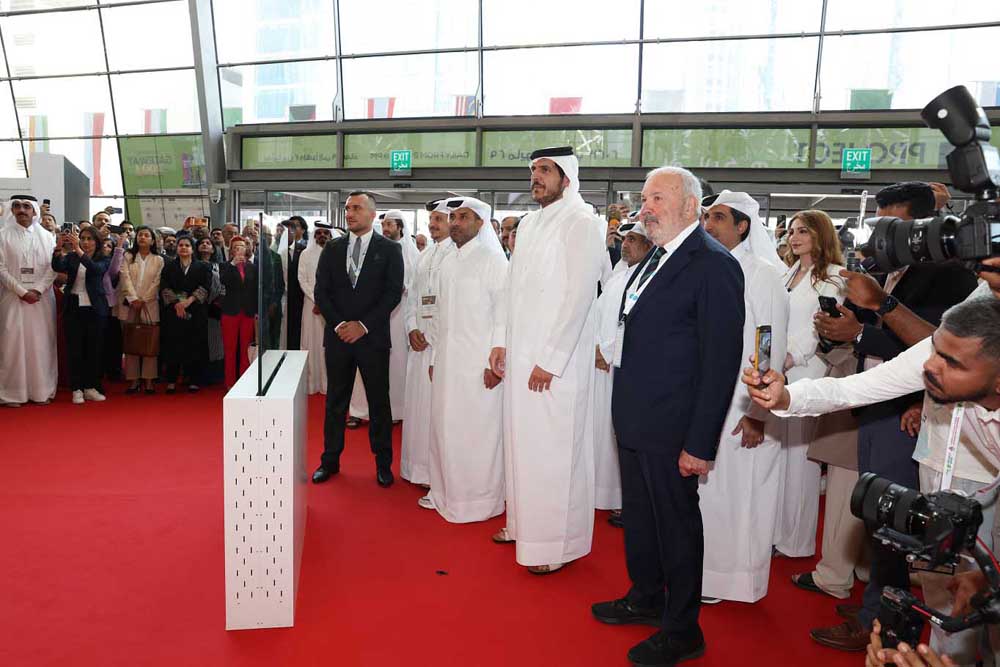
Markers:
<point>928,290</point>
<point>241,293</point>
<point>378,291</point>
<point>682,352</point>
<point>94,280</point>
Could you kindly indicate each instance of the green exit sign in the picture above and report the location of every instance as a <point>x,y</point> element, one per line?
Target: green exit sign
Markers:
<point>856,163</point>
<point>400,163</point>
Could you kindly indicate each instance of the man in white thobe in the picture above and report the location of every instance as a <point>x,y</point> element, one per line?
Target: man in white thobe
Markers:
<point>740,494</point>
<point>547,362</point>
<point>608,485</point>
<point>393,227</point>
<point>466,450</point>
<point>313,323</point>
<point>421,308</point>
<point>28,364</point>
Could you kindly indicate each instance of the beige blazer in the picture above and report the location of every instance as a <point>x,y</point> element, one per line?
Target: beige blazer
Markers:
<point>130,288</point>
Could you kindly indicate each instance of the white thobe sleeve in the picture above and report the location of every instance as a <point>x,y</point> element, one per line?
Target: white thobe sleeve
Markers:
<point>607,320</point>
<point>897,377</point>
<point>497,288</point>
<point>770,305</point>
<point>411,301</point>
<point>307,275</point>
<point>585,252</point>
<point>7,278</point>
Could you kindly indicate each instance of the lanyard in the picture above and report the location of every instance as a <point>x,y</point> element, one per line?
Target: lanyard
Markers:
<point>951,452</point>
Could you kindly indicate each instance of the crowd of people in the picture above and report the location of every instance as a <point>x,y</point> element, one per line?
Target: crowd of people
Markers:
<point>554,364</point>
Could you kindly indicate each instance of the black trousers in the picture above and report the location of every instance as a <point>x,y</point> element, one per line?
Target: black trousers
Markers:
<point>664,538</point>
<point>294,319</point>
<point>342,362</point>
<point>84,335</point>
<point>888,452</point>
<point>112,348</point>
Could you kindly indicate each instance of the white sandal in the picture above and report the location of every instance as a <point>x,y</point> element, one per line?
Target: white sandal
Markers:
<point>502,536</point>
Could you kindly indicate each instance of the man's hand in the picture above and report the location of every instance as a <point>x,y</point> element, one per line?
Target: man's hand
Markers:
<point>753,432</point>
<point>691,465</point>
<point>838,329</point>
<point>350,332</point>
<point>910,421</point>
<point>315,309</point>
<point>862,290</point>
<point>540,379</point>
<point>599,361</point>
<point>941,195</point>
<point>418,343</point>
<point>180,309</point>
<point>74,243</point>
<point>498,361</point>
<point>963,586</point>
<point>611,237</point>
<point>768,391</point>
<point>122,240</point>
<point>31,296</point>
<point>903,655</point>
<point>491,379</point>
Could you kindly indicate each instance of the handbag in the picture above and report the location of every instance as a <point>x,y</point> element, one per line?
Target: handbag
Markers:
<point>141,339</point>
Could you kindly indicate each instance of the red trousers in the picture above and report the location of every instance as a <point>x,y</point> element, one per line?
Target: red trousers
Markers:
<point>237,332</point>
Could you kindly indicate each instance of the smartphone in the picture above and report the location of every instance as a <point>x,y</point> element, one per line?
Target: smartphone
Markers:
<point>47,202</point>
<point>762,358</point>
<point>67,228</point>
<point>116,229</point>
<point>829,306</point>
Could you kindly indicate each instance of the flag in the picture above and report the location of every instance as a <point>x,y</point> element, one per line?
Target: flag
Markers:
<point>381,107</point>
<point>38,130</point>
<point>465,105</point>
<point>565,104</point>
<point>155,121</point>
<point>94,128</point>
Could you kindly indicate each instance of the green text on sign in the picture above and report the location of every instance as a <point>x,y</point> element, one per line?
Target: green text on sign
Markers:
<point>400,161</point>
<point>856,160</point>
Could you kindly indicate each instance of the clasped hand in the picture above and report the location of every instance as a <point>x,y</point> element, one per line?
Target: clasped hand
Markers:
<point>350,332</point>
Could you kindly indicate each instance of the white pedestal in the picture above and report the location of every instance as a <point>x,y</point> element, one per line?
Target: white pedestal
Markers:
<point>265,493</point>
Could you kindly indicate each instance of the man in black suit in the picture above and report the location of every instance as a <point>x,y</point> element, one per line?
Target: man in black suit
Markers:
<point>681,332</point>
<point>359,281</point>
<point>298,231</point>
<point>887,431</point>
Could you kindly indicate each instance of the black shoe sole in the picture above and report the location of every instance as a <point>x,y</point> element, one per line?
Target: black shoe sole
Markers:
<point>634,620</point>
<point>697,653</point>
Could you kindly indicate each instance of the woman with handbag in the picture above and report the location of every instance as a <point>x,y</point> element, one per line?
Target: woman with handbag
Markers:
<point>84,309</point>
<point>139,310</point>
<point>184,286</point>
<point>239,309</point>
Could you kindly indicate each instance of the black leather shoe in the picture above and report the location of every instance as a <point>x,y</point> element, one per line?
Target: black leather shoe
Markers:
<point>662,651</point>
<point>323,473</point>
<point>384,477</point>
<point>615,519</point>
<point>353,422</point>
<point>621,612</point>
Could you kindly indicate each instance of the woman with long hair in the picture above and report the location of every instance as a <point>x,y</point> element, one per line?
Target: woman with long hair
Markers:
<point>139,290</point>
<point>216,351</point>
<point>813,241</point>
<point>239,309</point>
<point>85,307</point>
<point>184,286</point>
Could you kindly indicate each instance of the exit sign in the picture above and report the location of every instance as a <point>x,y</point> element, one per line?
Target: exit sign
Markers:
<point>856,163</point>
<point>400,163</point>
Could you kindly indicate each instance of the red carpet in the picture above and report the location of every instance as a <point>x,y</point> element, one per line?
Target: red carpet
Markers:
<point>111,517</point>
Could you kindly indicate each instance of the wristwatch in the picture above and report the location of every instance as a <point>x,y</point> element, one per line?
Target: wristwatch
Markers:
<point>888,305</point>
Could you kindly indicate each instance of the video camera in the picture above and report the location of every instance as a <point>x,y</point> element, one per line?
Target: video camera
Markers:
<point>934,529</point>
<point>974,166</point>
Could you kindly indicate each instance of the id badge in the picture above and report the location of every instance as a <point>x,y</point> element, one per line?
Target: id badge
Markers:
<point>27,275</point>
<point>619,344</point>
<point>428,307</point>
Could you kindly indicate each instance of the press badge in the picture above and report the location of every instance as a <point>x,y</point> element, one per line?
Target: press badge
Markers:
<point>619,344</point>
<point>428,307</point>
<point>27,275</point>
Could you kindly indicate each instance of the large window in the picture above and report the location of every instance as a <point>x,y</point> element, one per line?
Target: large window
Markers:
<point>380,26</point>
<point>442,84</point>
<point>507,22</point>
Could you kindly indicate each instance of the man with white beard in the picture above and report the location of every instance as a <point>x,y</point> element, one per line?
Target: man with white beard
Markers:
<point>740,494</point>
<point>421,309</point>
<point>28,364</point>
<point>547,362</point>
<point>608,487</point>
<point>393,227</point>
<point>466,451</point>
<point>313,323</point>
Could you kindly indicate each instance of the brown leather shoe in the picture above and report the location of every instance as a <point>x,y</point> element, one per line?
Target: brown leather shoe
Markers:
<point>848,636</point>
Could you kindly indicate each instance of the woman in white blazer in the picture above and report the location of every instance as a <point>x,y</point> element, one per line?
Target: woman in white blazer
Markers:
<point>813,242</point>
<point>138,301</point>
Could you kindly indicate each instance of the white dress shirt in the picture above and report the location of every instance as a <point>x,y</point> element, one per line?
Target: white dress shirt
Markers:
<point>979,451</point>
<point>635,290</point>
<point>80,287</point>
<point>366,240</point>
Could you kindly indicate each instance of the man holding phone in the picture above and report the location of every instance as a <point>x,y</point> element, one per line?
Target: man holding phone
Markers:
<point>740,494</point>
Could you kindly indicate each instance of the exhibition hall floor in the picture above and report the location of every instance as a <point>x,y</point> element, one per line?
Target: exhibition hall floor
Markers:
<point>111,517</point>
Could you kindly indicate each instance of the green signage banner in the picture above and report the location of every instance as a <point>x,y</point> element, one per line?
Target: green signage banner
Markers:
<point>427,149</point>
<point>162,163</point>
<point>891,147</point>
<point>594,148</point>
<point>756,148</point>
<point>400,162</point>
<point>856,163</point>
<point>317,151</point>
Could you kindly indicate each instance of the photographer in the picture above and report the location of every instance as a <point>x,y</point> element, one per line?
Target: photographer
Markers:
<point>961,363</point>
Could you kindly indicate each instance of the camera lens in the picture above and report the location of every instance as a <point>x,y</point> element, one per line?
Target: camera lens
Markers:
<point>879,502</point>
<point>896,243</point>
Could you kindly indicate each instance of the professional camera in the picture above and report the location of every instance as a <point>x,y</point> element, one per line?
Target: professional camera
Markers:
<point>933,529</point>
<point>974,166</point>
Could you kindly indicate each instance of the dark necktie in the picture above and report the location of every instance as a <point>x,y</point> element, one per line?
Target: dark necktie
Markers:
<point>651,265</point>
<point>356,256</point>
